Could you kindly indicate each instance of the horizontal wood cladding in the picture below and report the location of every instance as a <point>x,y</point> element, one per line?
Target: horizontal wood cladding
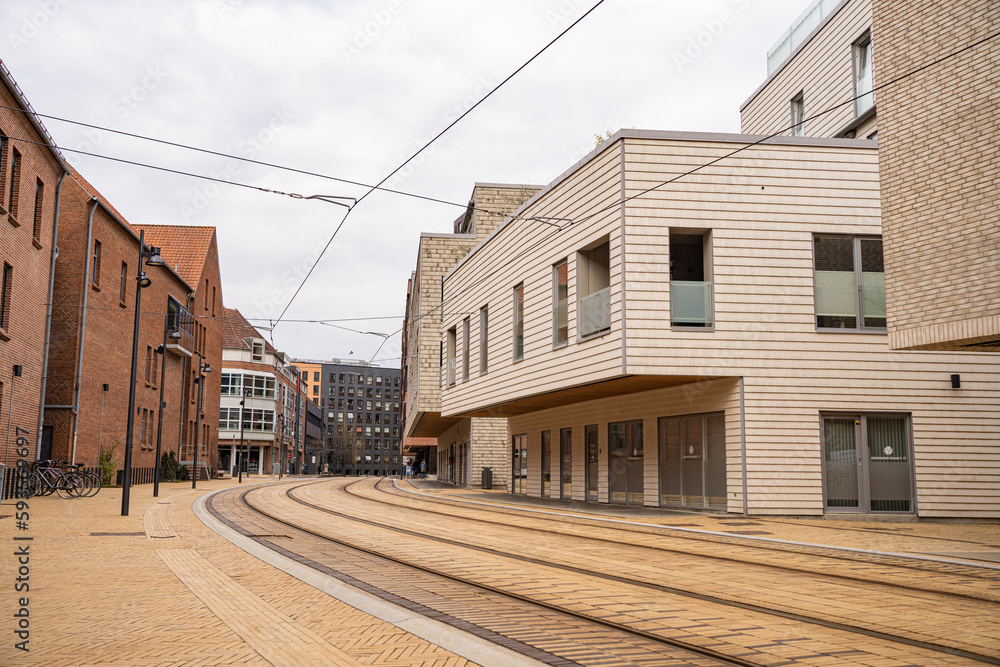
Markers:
<point>823,72</point>
<point>524,251</point>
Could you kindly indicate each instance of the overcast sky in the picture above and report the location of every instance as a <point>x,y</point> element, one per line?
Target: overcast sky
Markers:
<point>351,89</point>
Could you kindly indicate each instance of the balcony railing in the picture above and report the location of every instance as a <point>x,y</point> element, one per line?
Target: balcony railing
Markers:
<point>595,312</point>
<point>690,303</point>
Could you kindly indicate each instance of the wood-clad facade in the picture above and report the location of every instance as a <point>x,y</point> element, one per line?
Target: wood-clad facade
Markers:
<point>594,346</point>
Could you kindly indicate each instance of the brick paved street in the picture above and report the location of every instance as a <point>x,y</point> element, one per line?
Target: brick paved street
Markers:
<point>161,588</point>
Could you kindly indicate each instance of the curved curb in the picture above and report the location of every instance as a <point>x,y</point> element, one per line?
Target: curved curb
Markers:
<point>440,634</point>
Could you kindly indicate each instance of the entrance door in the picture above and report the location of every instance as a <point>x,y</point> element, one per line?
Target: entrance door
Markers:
<point>566,464</point>
<point>625,462</point>
<point>592,447</point>
<point>693,460</point>
<point>546,464</point>
<point>519,465</point>
<point>868,463</point>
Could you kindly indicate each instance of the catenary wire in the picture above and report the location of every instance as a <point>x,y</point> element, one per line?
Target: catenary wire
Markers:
<point>424,147</point>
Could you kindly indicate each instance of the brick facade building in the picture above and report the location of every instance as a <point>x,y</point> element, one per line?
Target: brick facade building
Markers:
<point>93,317</point>
<point>31,174</point>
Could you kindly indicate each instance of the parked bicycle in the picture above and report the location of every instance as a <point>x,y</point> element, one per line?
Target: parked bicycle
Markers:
<point>63,478</point>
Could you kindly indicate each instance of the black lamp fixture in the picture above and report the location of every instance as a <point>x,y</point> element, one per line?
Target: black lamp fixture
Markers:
<point>152,258</point>
<point>956,381</point>
<point>200,380</point>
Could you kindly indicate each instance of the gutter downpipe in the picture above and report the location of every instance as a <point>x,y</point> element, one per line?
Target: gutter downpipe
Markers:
<point>83,325</point>
<point>48,320</point>
<point>743,446</point>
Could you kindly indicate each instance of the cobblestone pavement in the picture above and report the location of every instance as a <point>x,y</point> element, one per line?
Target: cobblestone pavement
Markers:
<point>160,588</point>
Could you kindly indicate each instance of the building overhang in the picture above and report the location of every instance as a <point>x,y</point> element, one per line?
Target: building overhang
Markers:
<point>618,386</point>
<point>430,425</point>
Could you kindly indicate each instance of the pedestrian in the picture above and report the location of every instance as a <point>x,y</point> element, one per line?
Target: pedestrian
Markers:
<point>423,469</point>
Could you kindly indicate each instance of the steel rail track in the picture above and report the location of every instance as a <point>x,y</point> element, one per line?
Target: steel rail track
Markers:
<point>819,551</point>
<point>611,625</point>
<point>834,625</point>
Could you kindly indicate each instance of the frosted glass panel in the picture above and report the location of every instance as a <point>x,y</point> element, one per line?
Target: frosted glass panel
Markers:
<point>690,302</point>
<point>836,293</point>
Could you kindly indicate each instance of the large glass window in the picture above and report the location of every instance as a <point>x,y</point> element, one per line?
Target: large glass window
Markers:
<point>450,355</point>
<point>560,299</point>
<point>229,419</point>
<point>867,463</point>
<point>231,384</point>
<point>625,462</point>
<point>798,115</point>
<point>546,463</point>
<point>849,280</point>
<point>260,386</point>
<point>258,420</point>
<point>593,449</point>
<point>519,322</point>
<point>519,464</point>
<point>690,278</point>
<point>465,349</point>
<point>594,289</point>
<point>693,460</point>
<point>566,463</point>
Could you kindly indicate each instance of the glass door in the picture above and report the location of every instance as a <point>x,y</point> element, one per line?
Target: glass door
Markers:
<point>693,460</point>
<point>868,463</point>
<point>546,464</point>
<point>519,465</point>
<point>592,447</point>
<point>625,462</point>
<point>566,464</point>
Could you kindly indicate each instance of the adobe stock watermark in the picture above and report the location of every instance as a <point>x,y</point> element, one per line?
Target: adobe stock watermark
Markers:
<point>365,34</point>
<point>32,24</point>
<point>713,29</point>
<point>223,8</point>
<point>121,108</point>
<point>563,12</point>
<point>611,125</point>
<point>251,147</point>
<point>483,86</point>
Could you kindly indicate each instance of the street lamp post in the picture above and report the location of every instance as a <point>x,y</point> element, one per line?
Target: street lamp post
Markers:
<point>174,335</point>
<point>152,257</point>
<point>200,380</point>
<point>246,395</point>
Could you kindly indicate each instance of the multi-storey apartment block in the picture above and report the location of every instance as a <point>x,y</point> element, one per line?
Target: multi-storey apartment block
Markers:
<point>464,445</point>
<point>712,337</point>
<point>363,413</point>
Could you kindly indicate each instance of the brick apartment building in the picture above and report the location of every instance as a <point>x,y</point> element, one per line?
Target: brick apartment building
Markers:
<point>275,423</point>
<point>93,317</point>
<point>31,174</point>
<point>421,453</point>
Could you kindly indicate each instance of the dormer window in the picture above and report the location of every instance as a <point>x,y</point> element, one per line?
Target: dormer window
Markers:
<point>257,350</point>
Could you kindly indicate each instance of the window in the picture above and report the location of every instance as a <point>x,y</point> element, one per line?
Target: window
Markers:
<point>95,265</point>
<point>230,384</point>
<point>465,349</point>
<point>566,463</point>
<point>257,351</point>
<point>594,288</point>
<point>690,278</point>
<point>692,460</point>
<point>315,390</point>
<point>149,364</point>
<point>260,386</point>
<point>798,115</point>
<point>546,464</point>
<point>206,293</point>
<point>15,183</point>
<point>258,420</point>
<point>484,322</point>
<point>213,300</point>
<point>378,380</point>
<point>3,154</point>
<point>122,284</point>
<point>849,280</point>
<point>368,378</point>
<point>450,355</point>
<point>519,322</point>
<point>865,96</point>
<point>867,463</point>
<point>229,419</point>
<point>316,376</point>
<point>145,427</point>
<point>560,303</point>
<point>6,295</point>
<point>36,229</point>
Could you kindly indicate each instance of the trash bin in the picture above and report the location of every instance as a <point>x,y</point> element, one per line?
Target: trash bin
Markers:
<point>487,478</point>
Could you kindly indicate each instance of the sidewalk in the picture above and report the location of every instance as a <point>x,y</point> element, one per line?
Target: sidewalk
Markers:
<point>108,589</point>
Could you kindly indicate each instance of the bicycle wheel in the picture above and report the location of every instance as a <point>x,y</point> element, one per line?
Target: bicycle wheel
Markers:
<point>34,485</point>
<point>81,484</point>
<point>94,484</point>
<point>66,486</point>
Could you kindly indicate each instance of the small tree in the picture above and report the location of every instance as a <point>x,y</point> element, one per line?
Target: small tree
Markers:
<point>108,463</point>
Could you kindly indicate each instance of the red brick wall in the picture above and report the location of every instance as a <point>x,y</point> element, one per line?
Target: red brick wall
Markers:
<point>23,340</point>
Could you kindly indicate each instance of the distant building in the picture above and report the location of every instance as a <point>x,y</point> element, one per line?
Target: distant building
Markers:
<point>362,407</point>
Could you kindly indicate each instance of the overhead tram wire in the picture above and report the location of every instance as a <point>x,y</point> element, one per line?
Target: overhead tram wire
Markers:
<point>694,170</point>
<point>424,147</point>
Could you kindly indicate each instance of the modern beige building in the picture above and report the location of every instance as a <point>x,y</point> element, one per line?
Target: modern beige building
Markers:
<point>713,338</point>
<point>464,446</point>
<point>940,171</point>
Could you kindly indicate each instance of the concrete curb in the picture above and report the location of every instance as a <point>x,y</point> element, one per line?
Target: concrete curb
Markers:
<point>441,634</point>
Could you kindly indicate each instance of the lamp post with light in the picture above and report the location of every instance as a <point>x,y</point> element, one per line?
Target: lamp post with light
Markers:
<point>173,335</point>
<point>246,395</point>
<point>200,380</point>
<point>152,257</point>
